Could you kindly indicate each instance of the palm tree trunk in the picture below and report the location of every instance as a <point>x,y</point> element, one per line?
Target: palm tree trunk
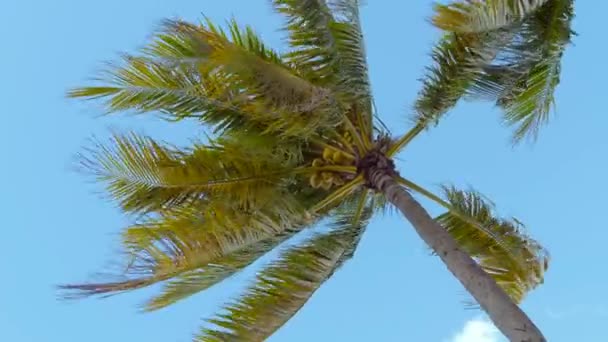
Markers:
<point>505,314</point>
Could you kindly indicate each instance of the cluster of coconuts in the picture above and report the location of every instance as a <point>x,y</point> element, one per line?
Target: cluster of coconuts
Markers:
<point>326,179</point>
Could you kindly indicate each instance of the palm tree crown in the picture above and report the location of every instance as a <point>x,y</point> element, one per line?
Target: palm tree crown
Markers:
<point>296,142</point>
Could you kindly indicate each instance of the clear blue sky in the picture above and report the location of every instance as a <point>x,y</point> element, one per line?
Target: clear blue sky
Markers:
<point>56,229</point>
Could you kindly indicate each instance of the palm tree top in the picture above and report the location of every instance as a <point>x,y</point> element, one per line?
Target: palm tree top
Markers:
<point>295,143</point>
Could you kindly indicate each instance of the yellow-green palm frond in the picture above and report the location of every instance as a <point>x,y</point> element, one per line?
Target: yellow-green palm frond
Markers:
<point>175,90</point>
<point>197,234</point>
<point>285,286</point>
<point>516,64</point>
<point>225,79</point>
<point>324,33</point>
<point>328,48</point>
<point>339,195</point>
<point>481,16</point>
<point>202,278</point>
<point>457,61</point>
<point>175,44</point>
<point>146,85</point>
<point>195,248</point>
<point>350,49</point>
<point>144,176</point>
<point>524,81</point>
<point>258,83</point>
<point>514,260</point>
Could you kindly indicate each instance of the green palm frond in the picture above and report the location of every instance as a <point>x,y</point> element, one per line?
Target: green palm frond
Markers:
<point>458,59</point>
<point>144,176</point>
<point>350,50</point>
<point>354,84</point>
<point>527,81</point>
<point>471,16</point>
<point>528,104</point>
<point>311,25</point>
<point>516,262</point>
<point>521,67</point>
<point>328,48</point>
<point>285,286</point>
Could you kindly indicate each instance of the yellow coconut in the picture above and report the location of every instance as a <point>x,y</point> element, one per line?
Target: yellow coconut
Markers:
<point>338,180</point>
<point>317,162</point>
<point>328,153</point>
<point>315,180</point>
<point>341,158</point>
<point>326,185</point>
<point>327,176</point>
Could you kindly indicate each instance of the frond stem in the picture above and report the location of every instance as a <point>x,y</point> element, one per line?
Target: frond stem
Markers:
<point>366,131</point>
<point>339,194</point>
<point>419,189</point>
<point>323,144</point>
<point>350,127</point>
<point>411,185</point>
<point>334,168</point>
<point>405,139</point>
<point>360,206</point>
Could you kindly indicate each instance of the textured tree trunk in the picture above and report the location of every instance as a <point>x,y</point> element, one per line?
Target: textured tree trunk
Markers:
<point>505,314</point>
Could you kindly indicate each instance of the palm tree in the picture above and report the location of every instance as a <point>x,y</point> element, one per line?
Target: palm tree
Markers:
<point>296,143</point>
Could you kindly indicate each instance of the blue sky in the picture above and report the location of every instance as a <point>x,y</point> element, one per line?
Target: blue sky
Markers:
<point>56,229</point>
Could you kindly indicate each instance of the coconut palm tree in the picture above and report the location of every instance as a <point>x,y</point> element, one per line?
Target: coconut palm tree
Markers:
<point>296,143</point>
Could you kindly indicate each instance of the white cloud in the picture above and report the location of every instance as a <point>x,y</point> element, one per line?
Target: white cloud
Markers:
<point>477,330</point>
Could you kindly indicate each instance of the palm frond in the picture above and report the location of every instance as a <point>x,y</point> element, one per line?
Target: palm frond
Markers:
<point>145,85</point>
<point>458,60</point>
<point>284,287</point>
<point>338,195</point>
<point>523,71</point>
<point>194,248</point>
<point>175,90</point>
<point>515,261</point>
<point>225,79</point>
<point>319,36</point>
<point>400,143</point>
<point>455,211</point>
<point>200,279</point>
<point>328,48</point>
<point>472,16</point>
<point>528,105</point>
<point>536,56</point>
<point>175,44</point>
<point>350,50</point>
<point>266,88</point>
<point>144,176</point>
